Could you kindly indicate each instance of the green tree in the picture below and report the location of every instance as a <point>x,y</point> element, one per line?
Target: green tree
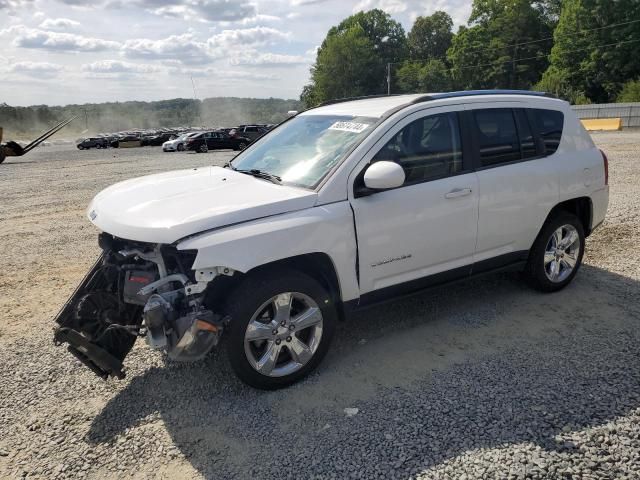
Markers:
<point>430,37</point>
<point>589,58</point>
<point>501,47</point>
<point>432,76</point>
<point>353,58</point>
<point>630,92</point>
<point>341,66</point>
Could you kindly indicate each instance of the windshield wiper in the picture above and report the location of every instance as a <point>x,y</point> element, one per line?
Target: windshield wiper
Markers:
<point>260,174</point>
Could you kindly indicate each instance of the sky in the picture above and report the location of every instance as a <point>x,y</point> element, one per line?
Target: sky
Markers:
<point>58,52</point>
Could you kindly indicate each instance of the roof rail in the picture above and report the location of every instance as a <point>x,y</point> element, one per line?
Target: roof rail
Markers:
<point>470,93</point>
<point>437,96</point>
<point>351,99</point>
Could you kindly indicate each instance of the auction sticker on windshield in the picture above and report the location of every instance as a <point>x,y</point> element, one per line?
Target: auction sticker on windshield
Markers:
<point>353,127</point>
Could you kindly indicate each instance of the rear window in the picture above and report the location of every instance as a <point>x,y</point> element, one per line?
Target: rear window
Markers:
<point>549,124</point>
<point>497,136</point>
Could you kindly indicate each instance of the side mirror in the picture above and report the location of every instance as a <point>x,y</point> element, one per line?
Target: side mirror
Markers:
<point>382,175</point>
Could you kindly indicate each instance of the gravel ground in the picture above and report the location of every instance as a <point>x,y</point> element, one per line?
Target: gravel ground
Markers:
<point>485,379</point>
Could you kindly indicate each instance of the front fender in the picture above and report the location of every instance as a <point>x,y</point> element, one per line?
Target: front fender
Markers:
<point>325,229</point>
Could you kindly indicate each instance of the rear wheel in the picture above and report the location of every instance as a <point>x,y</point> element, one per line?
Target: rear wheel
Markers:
<point>281,327</point>
<point>180,147</point>
<point>557,253</point>
<point>80,147</point>
<point>242,146</point>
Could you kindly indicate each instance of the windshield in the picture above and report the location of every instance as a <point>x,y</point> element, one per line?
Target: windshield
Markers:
<point>304,149</point>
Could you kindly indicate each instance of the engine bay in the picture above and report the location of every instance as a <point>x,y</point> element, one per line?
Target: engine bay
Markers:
<point>138,289</point>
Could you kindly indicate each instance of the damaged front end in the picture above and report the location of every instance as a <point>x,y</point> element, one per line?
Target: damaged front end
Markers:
<point>138,289</point>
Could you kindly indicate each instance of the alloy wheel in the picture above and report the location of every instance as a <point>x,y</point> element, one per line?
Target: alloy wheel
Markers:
<point>562,253</point>
<point>283,334</point>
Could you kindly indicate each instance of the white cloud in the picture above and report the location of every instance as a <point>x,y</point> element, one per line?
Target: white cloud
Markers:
<point>59,24</point>
<point>221,74</point>
<point>247,37</point>
<point>296,3</point>
<point>389,6</point>
<point>272,59</point>
<point>202,10</point>
<point>260,18</point>
<point>10,5</point>
<point>119,67</point>
<point>35,38</point>
<point>36,69</point>
<point>184,48</point>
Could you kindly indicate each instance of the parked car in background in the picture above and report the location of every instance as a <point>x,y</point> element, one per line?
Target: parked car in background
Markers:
<point>127,141</point>
<point>249,131</point>
<point>93,142</point>
<point>216,140</point>
<point>177,144</point>
<point>158,139</point>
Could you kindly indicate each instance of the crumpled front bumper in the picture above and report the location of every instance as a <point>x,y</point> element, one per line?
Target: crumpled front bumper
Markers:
<point>103,355</point>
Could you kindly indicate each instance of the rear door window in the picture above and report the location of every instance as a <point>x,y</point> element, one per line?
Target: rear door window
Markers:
<point>549,124</point>
<point>497,135</point>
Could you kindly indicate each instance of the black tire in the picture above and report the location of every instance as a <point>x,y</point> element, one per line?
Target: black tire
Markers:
<point>247,298</point>
<point>203,148</point>
<point>534,272</point>
<point>242,146</point>
<point>80,147</point>
<point>180,147</point>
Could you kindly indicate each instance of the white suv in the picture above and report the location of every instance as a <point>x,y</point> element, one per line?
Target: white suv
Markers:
<point>339,207</point>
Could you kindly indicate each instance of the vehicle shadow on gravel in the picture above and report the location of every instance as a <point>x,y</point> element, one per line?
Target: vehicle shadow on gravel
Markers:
<point>483,364</point>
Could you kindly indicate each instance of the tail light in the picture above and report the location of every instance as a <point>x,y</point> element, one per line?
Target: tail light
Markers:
<point>605,161</point>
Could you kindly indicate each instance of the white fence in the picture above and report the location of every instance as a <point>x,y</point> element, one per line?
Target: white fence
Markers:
<point>628,112</point>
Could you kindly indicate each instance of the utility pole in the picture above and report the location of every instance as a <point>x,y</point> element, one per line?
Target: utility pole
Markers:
<point>388,79</point>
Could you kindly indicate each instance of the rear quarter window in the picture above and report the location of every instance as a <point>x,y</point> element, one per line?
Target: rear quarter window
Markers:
<point>550,125</point>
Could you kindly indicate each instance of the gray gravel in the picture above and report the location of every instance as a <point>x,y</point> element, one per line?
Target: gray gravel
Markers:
<point>485,379</point>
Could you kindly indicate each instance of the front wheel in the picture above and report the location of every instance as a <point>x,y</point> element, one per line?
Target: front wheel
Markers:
<point>557,253</point>
<point>281,326</point>
<point>180,147</point>
<point>204,148</point>
<point>242,146</point>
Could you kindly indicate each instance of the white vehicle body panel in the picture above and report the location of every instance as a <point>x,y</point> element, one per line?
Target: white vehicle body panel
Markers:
<point>514,199</point>
<point>413,231</point>
<point>169,206</point>
<point>241,222</point>
<point>581,173</point>
<point>325,229</point>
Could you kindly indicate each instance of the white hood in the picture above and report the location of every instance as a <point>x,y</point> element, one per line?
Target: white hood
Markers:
<point>169,206</point>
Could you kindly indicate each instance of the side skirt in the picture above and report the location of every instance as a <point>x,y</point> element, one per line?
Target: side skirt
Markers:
<point>510,262</point>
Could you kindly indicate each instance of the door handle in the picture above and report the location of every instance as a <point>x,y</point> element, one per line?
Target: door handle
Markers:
<point>458,192</point>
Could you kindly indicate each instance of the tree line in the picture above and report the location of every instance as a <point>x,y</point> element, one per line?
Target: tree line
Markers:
<point>22,122</point>
<point>581,50</point>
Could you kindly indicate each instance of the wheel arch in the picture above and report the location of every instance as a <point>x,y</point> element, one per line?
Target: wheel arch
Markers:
<point>581,207</point>
<point>317,265</point>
